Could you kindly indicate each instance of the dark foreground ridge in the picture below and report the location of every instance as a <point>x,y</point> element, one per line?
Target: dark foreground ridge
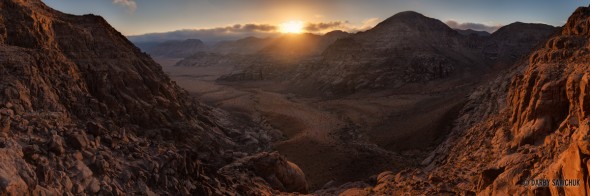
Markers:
<point>522,134</point>
<point>82,110</point>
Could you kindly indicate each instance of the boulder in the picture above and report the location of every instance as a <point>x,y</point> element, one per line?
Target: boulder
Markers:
<point>274,168</point>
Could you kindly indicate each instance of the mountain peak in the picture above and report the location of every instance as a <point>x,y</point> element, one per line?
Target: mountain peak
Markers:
<point>413,20</point>
<point>577,23</point>
<point>34,4</point>
<point>408,14</point>
<point>404,16</point>
<point>336,33</point>
<point>509,31</point>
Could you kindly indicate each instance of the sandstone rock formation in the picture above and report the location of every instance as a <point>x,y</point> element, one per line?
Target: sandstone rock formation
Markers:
<point>530,123</point>
<point>83,111</point>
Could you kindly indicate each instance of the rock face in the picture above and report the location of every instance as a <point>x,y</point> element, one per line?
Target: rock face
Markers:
<point>177,49</point>
<point>82,110</point>
<point>531,123</point>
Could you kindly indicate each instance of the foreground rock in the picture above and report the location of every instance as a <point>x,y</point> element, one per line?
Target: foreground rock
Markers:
<point>273,168</point>
<point>530,123</point>
<point>83,111</point>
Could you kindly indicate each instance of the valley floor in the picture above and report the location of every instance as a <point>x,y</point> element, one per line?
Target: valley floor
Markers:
<point>335,140</point>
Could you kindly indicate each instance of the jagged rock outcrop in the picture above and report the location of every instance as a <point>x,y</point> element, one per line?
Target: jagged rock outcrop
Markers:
<point>83,111</point>
<point>531,123</point>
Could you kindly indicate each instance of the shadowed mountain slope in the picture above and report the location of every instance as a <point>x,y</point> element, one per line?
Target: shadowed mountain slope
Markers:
<point>530,123</point>
<point>82,110</point>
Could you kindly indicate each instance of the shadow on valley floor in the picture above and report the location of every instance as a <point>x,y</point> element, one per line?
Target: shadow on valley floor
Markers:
<point>335,140</point>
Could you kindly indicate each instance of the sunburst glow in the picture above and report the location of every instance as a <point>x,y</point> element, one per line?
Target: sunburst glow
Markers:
<point>292,27</point>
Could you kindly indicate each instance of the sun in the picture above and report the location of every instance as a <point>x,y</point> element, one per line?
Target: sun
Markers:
<point>292,27</point>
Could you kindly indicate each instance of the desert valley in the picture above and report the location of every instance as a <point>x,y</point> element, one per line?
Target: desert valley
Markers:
<point>336,122</point>
<point>410,106</point>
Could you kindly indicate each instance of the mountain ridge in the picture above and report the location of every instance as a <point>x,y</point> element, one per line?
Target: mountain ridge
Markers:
<point>176,48</point>
<point>407,48</point>
<point>529,123</point>
<point>84,111</point>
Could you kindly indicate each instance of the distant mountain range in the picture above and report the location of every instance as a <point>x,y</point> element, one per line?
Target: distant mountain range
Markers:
<point>209,36</point>
<point>403,49</point>
<point>473,32</point>
<point>406,48</point>
<point>175,49</point>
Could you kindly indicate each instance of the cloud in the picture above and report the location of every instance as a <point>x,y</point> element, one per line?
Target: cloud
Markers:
<point>352,28</point>
<point>210,35</point>
<point>474,26</point>
<point>368,24</point>
<point>239,31</point>
<point>252,27</point>
<point>130,4</point>
<point>324,26</point>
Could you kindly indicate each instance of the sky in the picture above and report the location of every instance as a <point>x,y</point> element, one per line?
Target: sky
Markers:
<point>136,17</point>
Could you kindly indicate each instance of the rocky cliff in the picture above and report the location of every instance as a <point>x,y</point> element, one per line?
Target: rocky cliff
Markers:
<point>82,110</point>
<point>531,123</point>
